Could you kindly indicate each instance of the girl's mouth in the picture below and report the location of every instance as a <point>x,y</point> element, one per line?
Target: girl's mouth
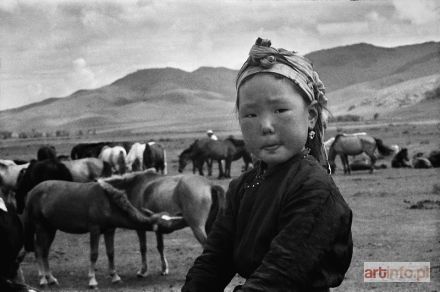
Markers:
<point>271,147</point>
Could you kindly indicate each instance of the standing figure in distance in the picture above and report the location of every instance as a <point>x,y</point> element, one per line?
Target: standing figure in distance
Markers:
<point>286,227</point>
<point>211,135</point>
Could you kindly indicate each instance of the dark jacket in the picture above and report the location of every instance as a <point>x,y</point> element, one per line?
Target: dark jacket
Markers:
<point>287,229</point>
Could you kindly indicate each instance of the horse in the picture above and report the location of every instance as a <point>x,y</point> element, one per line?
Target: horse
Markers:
<point>155,157</point>
<point>229,150</point>
<point>401,159</point>
<point>419,161</point>
<point>36,172</point>
<point>9,173</point>
<point>46,152</point>
<point>81,208</point>
<point>186,155</point>
<point>434,157</point>
<point>345,145</point>
<point>135,157</point>
<point>84,150</point>
<point>88,169</point>
<point>133,201</point>
<point>115,156</point>
<point>191,196</point>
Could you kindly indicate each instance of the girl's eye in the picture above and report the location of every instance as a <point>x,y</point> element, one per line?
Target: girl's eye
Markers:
<point>281,110</point>
<point>250,115</point>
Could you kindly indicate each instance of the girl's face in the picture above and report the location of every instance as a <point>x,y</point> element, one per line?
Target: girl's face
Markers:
<point>274,118</point>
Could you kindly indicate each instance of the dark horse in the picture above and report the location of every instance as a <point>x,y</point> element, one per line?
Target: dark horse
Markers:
<point>345,145</point>
<point>154,156</point>
<point>401,159</point>
<point>84,150</point>
<point>37,172</point>
<point>186,155</point>
<point>206,149</point>
<point>126,201</point>
<point>46,152</point>
<point>434,158</point>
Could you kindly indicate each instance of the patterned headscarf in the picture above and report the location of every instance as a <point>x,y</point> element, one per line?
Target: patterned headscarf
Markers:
<point>265,59</point>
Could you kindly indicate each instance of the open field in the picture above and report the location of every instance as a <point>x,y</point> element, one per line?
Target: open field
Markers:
<point>384,227</point>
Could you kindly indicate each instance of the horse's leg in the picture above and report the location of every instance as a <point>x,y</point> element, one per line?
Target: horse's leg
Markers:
<point>344,165</point>
<point>194,166</point>
<point>94,245</point>
<point>109,238</point>
<point>142,236</point>
<point>199,163</point>
<point>347,163</point>
<point>209,166</point>
<point>44,238</point>
<point>373,161</point>
<point>220,169</point>
<point>228,163</point>
<point>160,248</point>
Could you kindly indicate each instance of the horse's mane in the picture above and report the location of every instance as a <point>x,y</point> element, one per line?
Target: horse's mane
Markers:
<point>187,150</point>
<point>129,178</point>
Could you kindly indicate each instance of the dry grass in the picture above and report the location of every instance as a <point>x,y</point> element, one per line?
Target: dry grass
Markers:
<point>384,228</point>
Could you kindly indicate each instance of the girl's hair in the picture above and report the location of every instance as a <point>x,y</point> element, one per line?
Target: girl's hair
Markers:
<point>314,145</point>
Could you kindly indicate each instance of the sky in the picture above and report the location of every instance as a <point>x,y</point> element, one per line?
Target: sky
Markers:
<point>54,48</point>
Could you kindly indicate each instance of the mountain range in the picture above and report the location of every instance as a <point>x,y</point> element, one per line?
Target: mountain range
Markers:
<point>361,79</point>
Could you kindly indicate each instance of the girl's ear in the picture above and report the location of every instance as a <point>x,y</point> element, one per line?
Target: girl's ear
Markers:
<point>313,115</point>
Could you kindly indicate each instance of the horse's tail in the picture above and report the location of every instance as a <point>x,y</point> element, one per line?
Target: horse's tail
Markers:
<point>120,199</point>
<point>383,149</point>
<point>106,169</point>
<point>217,206</point>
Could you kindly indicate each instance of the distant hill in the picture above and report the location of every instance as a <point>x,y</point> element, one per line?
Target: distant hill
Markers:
<point>361,79</point>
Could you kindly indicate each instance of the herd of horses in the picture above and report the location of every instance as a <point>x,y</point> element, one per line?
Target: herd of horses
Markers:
<point>346,145</point>
<point>104,186</point>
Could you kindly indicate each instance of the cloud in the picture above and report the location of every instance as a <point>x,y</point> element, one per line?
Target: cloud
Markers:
<point>418,12</point>
<point>341,28</point>
<point>82,76</point>
<point>67,45</point>
<point>8,5</point>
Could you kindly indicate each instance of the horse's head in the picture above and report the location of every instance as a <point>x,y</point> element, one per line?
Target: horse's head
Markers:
<point>46,152</point>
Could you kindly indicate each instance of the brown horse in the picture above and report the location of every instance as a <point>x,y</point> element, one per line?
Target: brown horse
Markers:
<point>126,201</point>
<point>345,145</point>
<point>191,196</point>
<point>206,149</point>
<point>88,169</point>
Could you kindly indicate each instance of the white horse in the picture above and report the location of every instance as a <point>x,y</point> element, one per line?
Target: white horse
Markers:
<point>9,172</point>
<point>115,156</point>
<point>135,157</point>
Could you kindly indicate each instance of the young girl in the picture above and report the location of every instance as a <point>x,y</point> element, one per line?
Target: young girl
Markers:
<point>286,227</point>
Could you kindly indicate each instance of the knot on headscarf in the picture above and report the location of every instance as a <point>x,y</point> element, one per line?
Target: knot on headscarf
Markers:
<point>264,58</point>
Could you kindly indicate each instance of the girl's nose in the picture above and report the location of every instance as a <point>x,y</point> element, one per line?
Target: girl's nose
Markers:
<point>267,127</point>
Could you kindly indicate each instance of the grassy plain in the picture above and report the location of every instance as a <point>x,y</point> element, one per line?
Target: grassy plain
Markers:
<point>384,227</point>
